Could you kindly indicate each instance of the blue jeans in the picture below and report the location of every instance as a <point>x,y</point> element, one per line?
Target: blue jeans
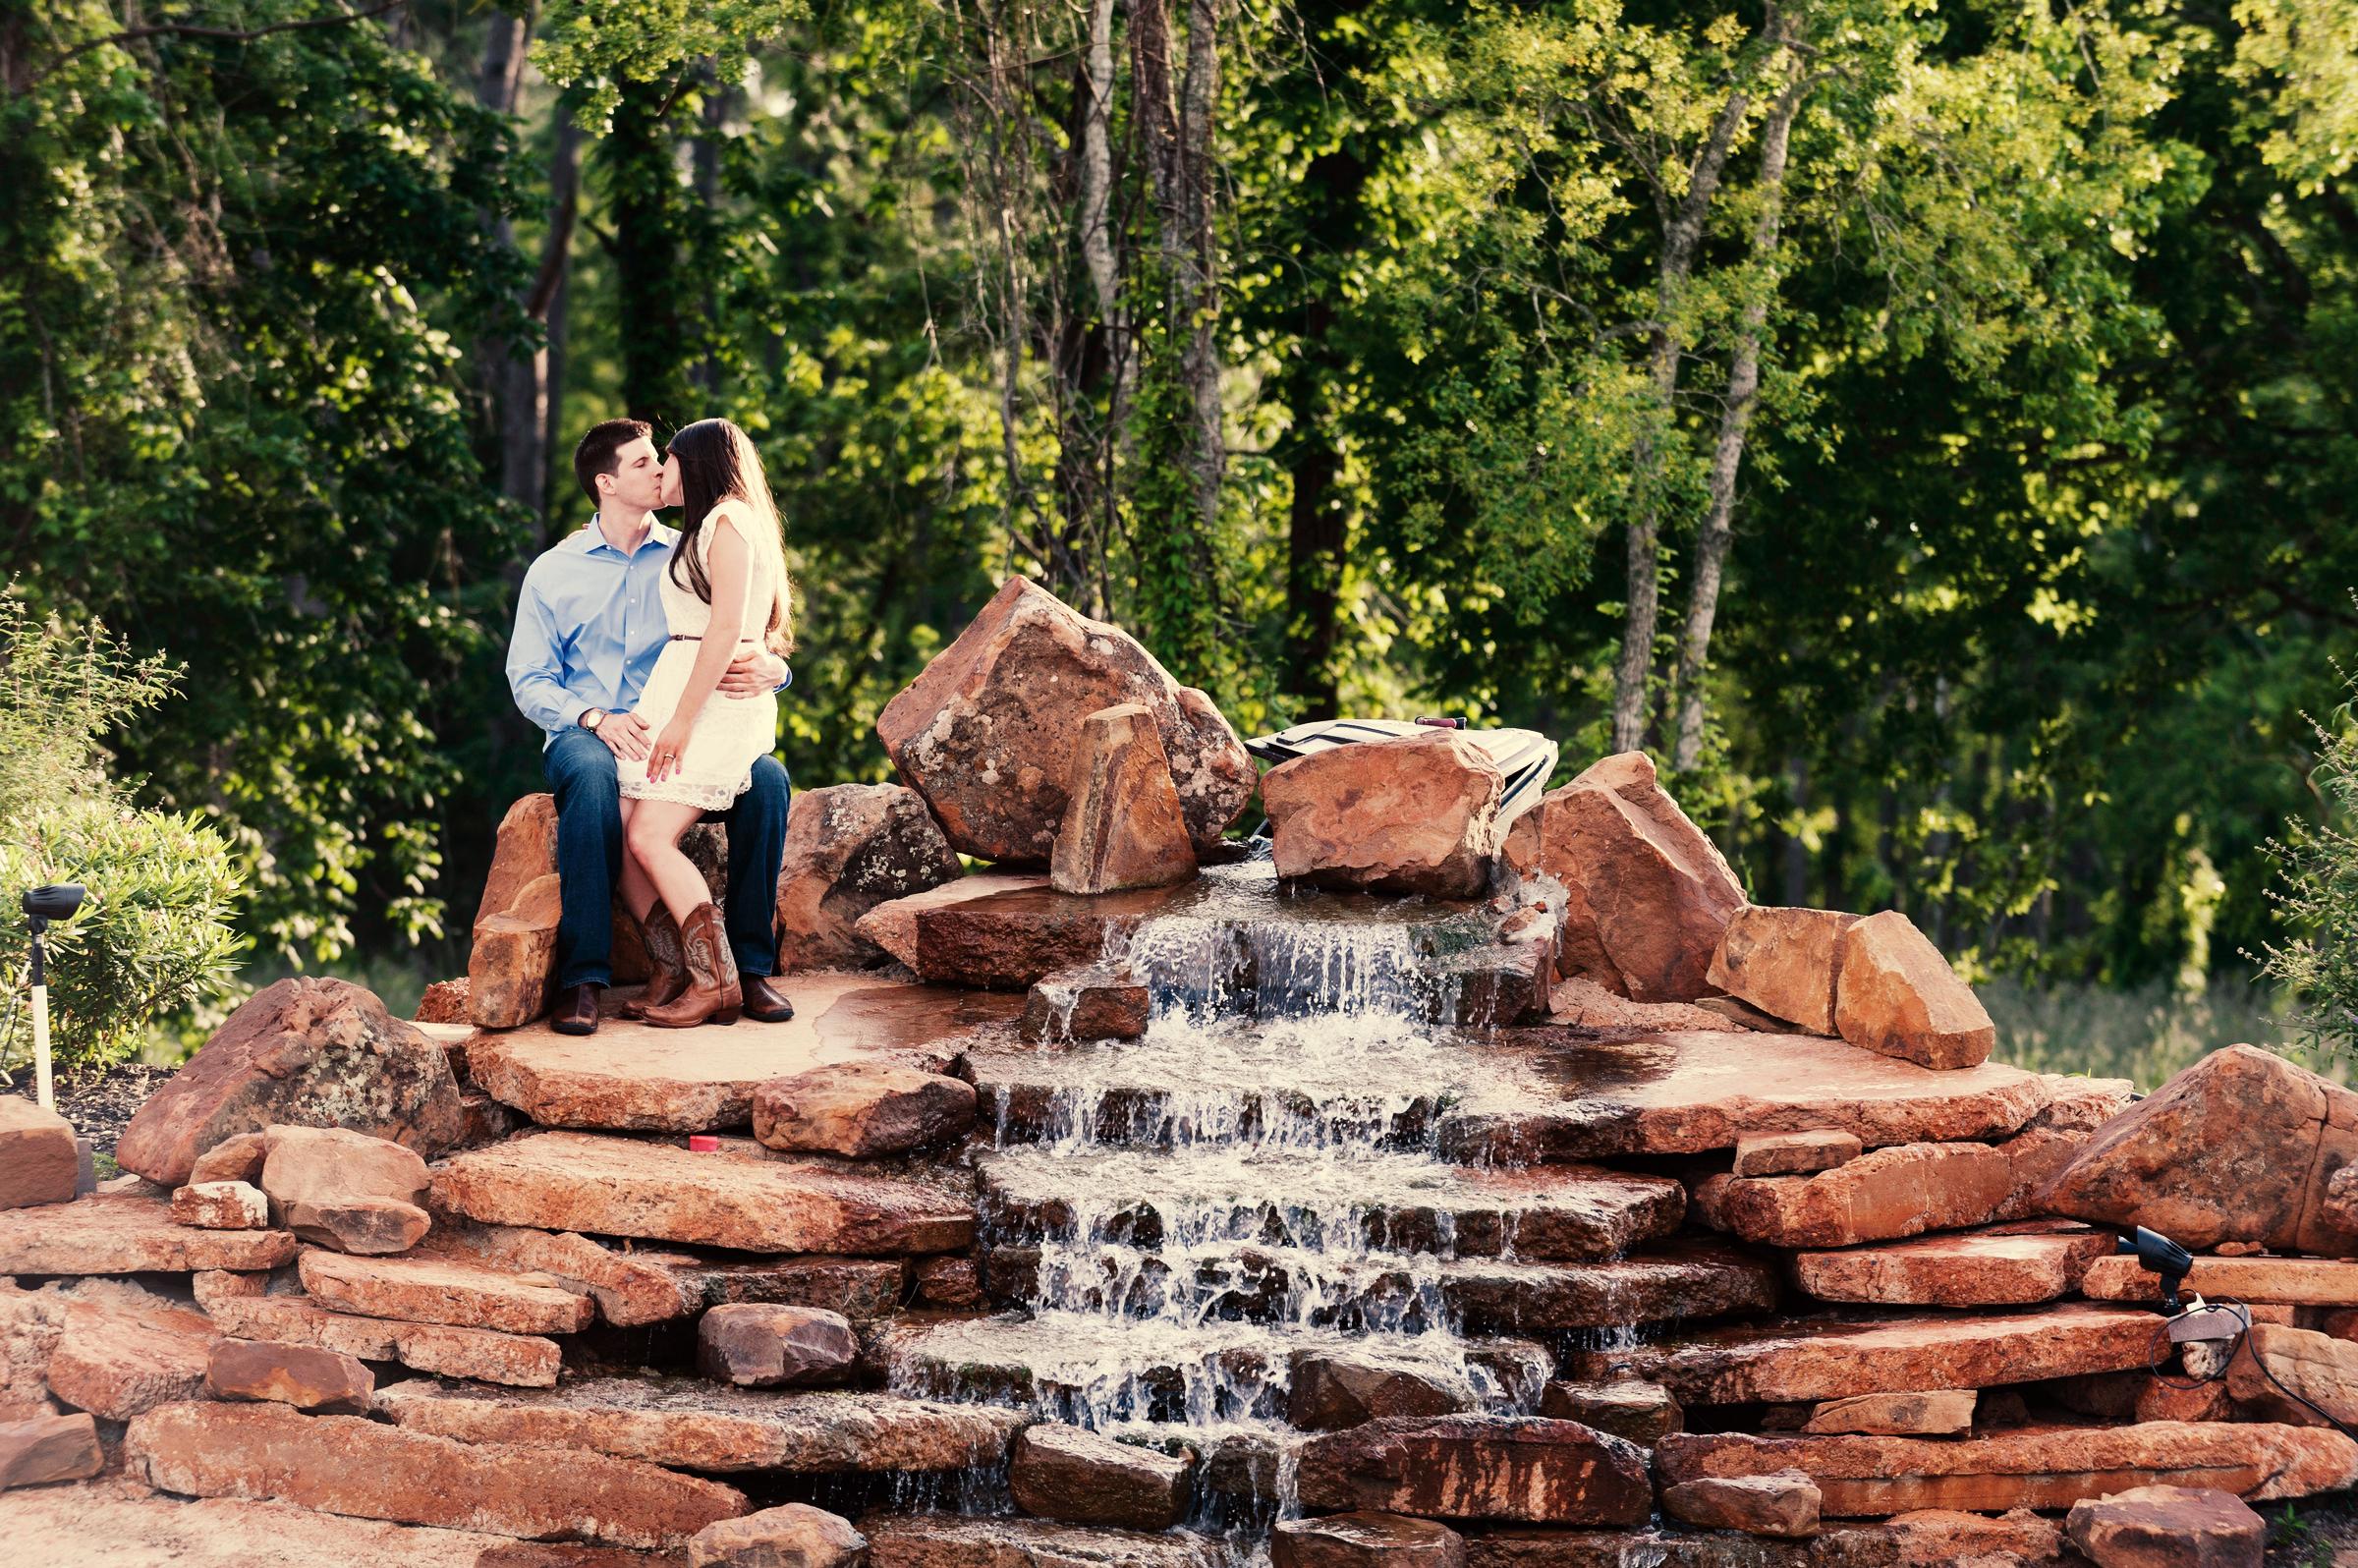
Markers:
<point>581,770</point>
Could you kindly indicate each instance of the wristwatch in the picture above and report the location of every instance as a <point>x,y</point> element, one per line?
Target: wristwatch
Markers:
<point>592,718</point>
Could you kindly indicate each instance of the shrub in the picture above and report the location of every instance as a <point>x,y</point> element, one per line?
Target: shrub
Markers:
<point>154,935</point>
<point>2317,865</point>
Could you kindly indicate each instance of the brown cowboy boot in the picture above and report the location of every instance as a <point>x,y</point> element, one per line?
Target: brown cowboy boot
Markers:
<point>668,969</point>
<point>713,996</point>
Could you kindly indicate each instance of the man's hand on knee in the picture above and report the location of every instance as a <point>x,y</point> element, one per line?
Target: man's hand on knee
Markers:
<point>626,735</point>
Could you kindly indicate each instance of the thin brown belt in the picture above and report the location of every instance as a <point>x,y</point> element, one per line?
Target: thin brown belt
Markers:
<point>690,637</point>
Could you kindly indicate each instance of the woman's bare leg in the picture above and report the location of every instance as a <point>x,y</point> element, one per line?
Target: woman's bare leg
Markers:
<point>653,832</point>
<point>638,888</point>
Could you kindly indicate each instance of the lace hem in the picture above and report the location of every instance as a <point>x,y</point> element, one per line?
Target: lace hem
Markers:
<point>706,797</point>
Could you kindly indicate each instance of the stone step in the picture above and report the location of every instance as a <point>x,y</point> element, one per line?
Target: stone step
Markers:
<point>950,1541</point>
<point>1292,1284</point>
<point>690,1423</point>
<point>634,1077</point>
<point>119,1523</point>
<point>1516,1468</point>
<point>2278,1281</point>
<point>2005,1265</point>
<point>1835,1358</point>
<point>1509,1097</point>
<point>2037,1468</point>
<point>443,1290</point>
<point>128,1233</point>
<point>349,1464</point>
<point>612,1186</point>
<point>1097,1371</point>
<point>1388,1202</point>
<point>517,1360</point>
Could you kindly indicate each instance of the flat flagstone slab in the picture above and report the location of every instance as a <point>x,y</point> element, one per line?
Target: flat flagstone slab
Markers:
<point>119,1523</point>
<point>2008,1265</point>
<point>124,1233</point>
<point>690,1423</point>
<point>2034,1467</point>
<point>2278,1281</point>
<point>348,1465</point>
<point>632,1075</point>
<point>444,1290</point>
<point>622,1186</point>
<point>1835,1360</point>
<point>950,1541</point>
<point>521,1361</point>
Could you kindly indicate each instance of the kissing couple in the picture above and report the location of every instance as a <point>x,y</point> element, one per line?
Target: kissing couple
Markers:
<point>652,658</point>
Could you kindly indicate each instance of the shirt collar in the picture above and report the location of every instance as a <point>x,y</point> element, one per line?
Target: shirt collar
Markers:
<point>590,541</point>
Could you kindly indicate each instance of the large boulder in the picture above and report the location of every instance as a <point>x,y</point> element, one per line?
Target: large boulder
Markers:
<point>1897,995</point>
<point>2168,1527</point>
<point>2241,1147</point>
<point>1783,962</point>
<point>986,733</point>
<point>308,1053</point>
<point>346,1190</point>
<point>1079,1477</point>
<point>1123,826</point>
<point>1413,814</point>
<point>850,847</point>
<point>1651,896</point>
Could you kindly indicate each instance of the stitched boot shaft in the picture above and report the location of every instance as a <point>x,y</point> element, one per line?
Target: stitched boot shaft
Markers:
<point>714,994</point>
<point>668,966</point>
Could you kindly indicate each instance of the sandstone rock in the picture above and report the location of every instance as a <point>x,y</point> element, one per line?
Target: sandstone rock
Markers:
<point>791,1536</point>
<point>849,848</point>
<point>305,1376</point>
<point>38,1158</point>
<point>1813,1360</point>
<point>2043,1468</point>
<point>443,1290</point>
<point>1512,1468</point>
<point>1122,826</point>
<point>2337,1205</point>
<point>340,1464</point>
<point>862,1110</point>
<point>1899,996</point>
<point>2316,1368</point>
<point>1582,1003</point>
<point>2012,1265</point>
<point>987,732</point>
<point>629,1290</point>
<point>1078,1477</point>
<point>1891,1192</point>
<point>126,1351</point>
<point>1413,813</point>
<point>512,961</point>
<point>1365,1540</point>
<point>1784,962</point>
<point>949,1541</point>
<point>1642,1412</point>
<point>892,925</point>
<point>1100,1002</point>
<point>1795,1153</point>
<point>861,1289</point>
<point>318,1164</point>
<point>1331,1390</point>
<point>1685,1281</point>
<point>221,1205</point>
<point>46,1448</point>
<point>2282,1281</point>
<point>237,1158</point>
<point>1925,1539</point>
<point>1009,934</point>
<point>614,1187</point>
<point>444,1002</point>
<point>31,1321</point>
<point>1943,1413</point>
<point>687,1424</point>
<point>519,1361</point>
<point>374,1227</point>
<point>775,1347</point>
<point>950,1283</point>
<point>2238,1148</point>
<point>307,1053</point>
<point>1781,1503</point>
<point>2168,1527</point>
<point>2054,1136</point>
<point>1651,896</point>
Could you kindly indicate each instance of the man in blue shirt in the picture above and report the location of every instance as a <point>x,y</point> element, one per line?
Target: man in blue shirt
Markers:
<point>588,626</point>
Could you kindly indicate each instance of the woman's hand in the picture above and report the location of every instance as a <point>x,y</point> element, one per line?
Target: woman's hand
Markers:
<point>670,747</point>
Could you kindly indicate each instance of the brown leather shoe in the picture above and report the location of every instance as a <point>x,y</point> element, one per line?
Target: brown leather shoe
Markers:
<point>669,968</point>
<point>764,1004</point>
<point>575,1012</point>
<point>713,996</point>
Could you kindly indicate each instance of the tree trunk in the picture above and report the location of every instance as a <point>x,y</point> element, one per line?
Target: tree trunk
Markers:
<point>504,51</point>
<point>1089,355</point>
<point>1316,527</point>
<point>651,244</point>
<point>1200,366</point>
<point>1735,421</point>
<point>706,163</point>
<point>1682,228</point>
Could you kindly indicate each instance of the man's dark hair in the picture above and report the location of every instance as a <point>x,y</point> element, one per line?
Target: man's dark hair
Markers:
<point>596,453</point>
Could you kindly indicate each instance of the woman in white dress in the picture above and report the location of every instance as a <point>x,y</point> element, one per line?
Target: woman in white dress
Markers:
<point>725,587</point>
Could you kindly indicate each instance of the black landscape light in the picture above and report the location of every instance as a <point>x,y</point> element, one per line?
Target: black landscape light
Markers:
<point>2158,1253</point>
<point>55,902</point>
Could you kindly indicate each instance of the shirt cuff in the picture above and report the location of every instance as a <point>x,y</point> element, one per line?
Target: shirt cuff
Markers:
<point>572,709</point>
<point>788,681</point>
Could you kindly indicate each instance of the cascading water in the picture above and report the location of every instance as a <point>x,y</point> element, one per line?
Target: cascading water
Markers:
<point>1251,1182</point>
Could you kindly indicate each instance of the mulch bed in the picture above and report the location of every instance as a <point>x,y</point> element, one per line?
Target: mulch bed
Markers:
<point>100,1103</point>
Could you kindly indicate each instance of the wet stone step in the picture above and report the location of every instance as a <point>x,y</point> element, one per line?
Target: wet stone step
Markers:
<point>947,1540</point>
<point>1411,1295</point>
<point>1334,1200</point>
<point>1097,1371</point>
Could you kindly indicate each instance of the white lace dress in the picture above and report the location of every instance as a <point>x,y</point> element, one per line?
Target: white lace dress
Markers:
<point>731,732</point>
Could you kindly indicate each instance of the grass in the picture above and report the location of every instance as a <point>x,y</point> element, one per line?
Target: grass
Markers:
<point>2143,1035</point>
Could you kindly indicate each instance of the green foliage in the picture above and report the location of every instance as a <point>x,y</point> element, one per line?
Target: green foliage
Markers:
<point>2317,863</point>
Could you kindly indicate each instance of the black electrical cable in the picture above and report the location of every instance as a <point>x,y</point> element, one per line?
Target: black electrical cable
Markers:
<point>2243,1346</point>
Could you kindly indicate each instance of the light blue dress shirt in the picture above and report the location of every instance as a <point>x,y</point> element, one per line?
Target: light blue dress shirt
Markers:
<point>589,626</point>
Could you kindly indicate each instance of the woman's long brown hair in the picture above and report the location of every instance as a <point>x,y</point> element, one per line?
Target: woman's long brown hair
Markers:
<point>718,463</point>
